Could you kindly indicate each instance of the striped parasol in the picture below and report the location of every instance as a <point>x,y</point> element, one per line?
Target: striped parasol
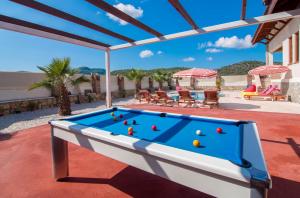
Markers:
<point>196,73</point>
<point>268,69</point>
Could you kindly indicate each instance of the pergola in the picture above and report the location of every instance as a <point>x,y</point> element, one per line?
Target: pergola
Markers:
<point>30,28</point>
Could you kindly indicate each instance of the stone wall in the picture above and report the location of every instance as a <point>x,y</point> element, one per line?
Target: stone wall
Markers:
<point>292,90</point>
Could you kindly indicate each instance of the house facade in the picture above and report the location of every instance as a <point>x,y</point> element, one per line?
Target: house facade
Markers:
<point>282,37</point>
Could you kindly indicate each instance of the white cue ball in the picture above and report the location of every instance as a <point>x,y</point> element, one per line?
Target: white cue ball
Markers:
<point>198,132</point>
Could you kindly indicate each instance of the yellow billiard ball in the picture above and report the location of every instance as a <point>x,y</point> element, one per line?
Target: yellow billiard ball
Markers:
<point>196,143</point>
<point>130,129</point>
<point>112,113</point>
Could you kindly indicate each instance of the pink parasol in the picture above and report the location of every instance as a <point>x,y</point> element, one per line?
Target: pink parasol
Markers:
<point>196,73</point>
<point>268,69</point>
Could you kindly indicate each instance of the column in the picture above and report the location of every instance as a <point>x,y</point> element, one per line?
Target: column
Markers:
<point>107,75</point>
<point>269,57</point>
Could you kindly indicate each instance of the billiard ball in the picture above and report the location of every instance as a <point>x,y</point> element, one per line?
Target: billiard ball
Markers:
<point>219,130</point>
<point>130,129</point>
<point>125,122</point>
<point>130,133</point>
<point>134,122</point>
<point>198,132</point>
<point>154,128</point>
<point>115,118</point>
<point>121,116</point>
<point>196,143</point>
<point>112,113</point>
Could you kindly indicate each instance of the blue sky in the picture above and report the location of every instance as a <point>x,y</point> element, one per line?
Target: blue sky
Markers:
<point>23,52</point>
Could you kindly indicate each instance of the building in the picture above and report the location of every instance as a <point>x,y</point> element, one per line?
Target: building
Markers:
<point>282,37</point>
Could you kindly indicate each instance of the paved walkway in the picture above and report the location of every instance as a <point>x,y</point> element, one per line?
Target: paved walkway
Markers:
<point>26,166</point>
<point>233,100</point>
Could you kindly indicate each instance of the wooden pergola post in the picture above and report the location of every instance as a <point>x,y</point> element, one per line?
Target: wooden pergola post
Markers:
<point>107,78</point>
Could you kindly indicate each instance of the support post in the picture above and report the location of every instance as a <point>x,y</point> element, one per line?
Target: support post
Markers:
<point>60,159</point>
<point>269,56</point>
<point>107,75</point>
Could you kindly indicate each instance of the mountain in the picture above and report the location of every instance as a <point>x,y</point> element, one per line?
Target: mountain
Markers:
<point>87,70</point>
<point>240,68</point>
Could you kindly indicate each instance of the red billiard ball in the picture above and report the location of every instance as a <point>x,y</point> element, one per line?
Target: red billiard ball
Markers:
<point>130,133</point>
<point>125,122</point>
<point>154,128</point>
<point>121,115</point>
<point>219,130</point>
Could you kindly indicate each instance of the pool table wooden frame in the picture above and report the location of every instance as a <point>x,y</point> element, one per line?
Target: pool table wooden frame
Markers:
<point>211,175</point>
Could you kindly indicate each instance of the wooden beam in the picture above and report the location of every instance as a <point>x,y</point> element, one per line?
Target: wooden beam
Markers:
<point>273,35</point>
<point>177,5</point>
<point>55,12</point>
<point>17,25</point>
<point>244,9</point>
<point>215,28</point>
<point>262,42</point>
<point>116,12</point>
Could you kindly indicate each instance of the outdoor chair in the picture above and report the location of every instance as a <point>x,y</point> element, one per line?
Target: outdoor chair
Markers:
<point>145,95</point>
<point>163,98</point>
<point>185,97</point>
<point>211,98</point>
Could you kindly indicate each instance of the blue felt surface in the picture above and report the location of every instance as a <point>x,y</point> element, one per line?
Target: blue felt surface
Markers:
<point>175,131</point>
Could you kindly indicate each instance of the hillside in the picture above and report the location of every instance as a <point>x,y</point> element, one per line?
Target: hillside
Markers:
<point>240,68</point>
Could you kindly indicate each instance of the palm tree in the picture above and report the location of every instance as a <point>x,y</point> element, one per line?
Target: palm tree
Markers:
<point>60,75</point>
<point>160,77</point>
<point>136,76</point>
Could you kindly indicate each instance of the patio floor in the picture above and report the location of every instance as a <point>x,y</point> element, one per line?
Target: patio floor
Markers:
<point>26,166</point>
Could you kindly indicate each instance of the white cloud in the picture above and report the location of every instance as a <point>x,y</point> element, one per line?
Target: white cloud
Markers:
<point>209,58</point>
<point>188,59</point>
<point>234,42</point>
<point>213,50</point>
<point>128,9</point>
<point>146,53</point>
<point>204,45</point>
<point>159,52</point>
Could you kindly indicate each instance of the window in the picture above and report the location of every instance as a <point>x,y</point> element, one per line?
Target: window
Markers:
<point>290,51</point>
<point>297,47</point>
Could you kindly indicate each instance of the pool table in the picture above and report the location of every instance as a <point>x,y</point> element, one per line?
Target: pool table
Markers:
<point>229,163</point>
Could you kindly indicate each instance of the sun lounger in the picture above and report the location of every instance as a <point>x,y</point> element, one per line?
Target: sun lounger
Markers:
<point>185,97</point>
<point>211,98</point>
<point>145,95</point>
<point>268,92</point>
<point>163,97</point>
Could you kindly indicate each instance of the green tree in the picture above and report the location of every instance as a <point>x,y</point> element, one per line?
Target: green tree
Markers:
<point>160,77</point>
<point>136,76</point>
<point>60,75</point>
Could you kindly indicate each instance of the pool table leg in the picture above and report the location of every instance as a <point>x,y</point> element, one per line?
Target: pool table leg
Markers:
<point>60,159</point>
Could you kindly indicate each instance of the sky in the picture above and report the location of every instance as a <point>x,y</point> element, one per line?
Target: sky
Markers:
<point>20,52</point>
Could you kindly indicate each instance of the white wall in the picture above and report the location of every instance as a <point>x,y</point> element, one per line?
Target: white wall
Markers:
<point>15,85</point>
<point>235,81</point>
<point>205,82</point>
<point>282,39</point>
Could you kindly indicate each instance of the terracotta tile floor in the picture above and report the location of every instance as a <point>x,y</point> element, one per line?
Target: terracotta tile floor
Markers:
<point>25,165</point>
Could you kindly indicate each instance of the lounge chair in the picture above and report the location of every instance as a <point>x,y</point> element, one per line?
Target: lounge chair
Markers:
<point>185,97</point>
<point>145,95</point>
<point>268,92</point>
<point>251,90</point>
<point>211,98</point>
<point>163,97</point>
